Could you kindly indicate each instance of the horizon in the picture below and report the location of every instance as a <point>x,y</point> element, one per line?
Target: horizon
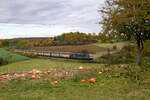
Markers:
<point>29,19</point>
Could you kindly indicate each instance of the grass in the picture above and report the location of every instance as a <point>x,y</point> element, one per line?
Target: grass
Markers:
<point>110,45</point>
<point>131,83</point>
<point>43,64</point>
<point>10,56</point>
<point>107,87</point>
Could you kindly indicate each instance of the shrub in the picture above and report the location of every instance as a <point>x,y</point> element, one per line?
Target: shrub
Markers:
<point>32,55</point>
<point>126,55</point>
<point>146,51</point>
<point>86,51</point>
<point>114,47</point>
<point>4,61</point>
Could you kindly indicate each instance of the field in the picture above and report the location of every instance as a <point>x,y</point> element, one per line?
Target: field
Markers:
<point>119,82</point>
<point>44,64</point>
<point>118,45</point>
<point>76,48</point>
<point>110,45</point>
<point>97,49</point>
<point>11,57</point>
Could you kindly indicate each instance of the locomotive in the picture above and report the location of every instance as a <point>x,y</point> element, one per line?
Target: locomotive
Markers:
<point>66,55</point>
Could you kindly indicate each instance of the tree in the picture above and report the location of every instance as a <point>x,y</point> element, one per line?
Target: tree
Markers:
<point>1,44</point>
<point>24,44</point>
<point>6,43</point>
<point>129,18</point>
<point>47,42</point>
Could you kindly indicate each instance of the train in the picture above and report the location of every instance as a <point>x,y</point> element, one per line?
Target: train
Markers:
<point>66,55</point>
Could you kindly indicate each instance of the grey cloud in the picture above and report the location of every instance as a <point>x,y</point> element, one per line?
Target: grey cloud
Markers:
<point>78,13</point>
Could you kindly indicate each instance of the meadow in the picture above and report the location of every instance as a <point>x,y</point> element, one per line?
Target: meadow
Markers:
<point>44,64</point>
<point>122,82</point>
<point>118,84</point>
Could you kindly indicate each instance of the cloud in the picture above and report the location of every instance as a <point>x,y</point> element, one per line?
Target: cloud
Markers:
<point>79,15</point>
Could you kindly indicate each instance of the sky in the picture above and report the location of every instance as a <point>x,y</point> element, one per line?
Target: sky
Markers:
<point>48,18</point>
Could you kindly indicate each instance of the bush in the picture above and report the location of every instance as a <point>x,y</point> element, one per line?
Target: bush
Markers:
<point>31,55</point>
<point>126,55</point>
<point>114,47</point>
<point>86,51</point>
<point>146,51</point>
<point>4,61</point>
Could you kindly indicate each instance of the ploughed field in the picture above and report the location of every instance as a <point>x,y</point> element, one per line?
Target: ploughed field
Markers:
<point>76,48</point>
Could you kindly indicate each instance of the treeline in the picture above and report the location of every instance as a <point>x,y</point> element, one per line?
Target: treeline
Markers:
<point>72,38</point>
<point>75,38</point>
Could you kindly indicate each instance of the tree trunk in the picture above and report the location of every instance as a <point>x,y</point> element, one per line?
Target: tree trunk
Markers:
<point>138,58</point>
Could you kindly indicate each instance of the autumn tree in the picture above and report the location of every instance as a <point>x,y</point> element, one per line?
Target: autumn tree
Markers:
<point>128,18</point>
<point>1,44</point>
<point>6,43</point>
<point>24,44</point>
<point>47,42</point>
<point>75,38</point>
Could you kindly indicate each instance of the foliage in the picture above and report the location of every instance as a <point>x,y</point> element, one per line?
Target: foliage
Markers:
<point>24,44</point>
<point>75,38</point>
<point>31,55</point>
<point>146,51</point>
<point>45,42</point>
<point>6,43</point>
<point>4,61</point>
<point>1,44</point>
<point>87,51</point>
<point>129,19</point>
<point>125,55</point>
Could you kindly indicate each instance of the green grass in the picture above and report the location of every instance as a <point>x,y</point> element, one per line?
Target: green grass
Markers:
<point>110,45</point>
<point>44,64</point>
<point>107,87</point>
<point>124,84</point>
<point>10,56</point>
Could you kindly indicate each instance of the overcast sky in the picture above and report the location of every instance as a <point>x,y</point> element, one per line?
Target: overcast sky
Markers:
<point>41,18</point>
